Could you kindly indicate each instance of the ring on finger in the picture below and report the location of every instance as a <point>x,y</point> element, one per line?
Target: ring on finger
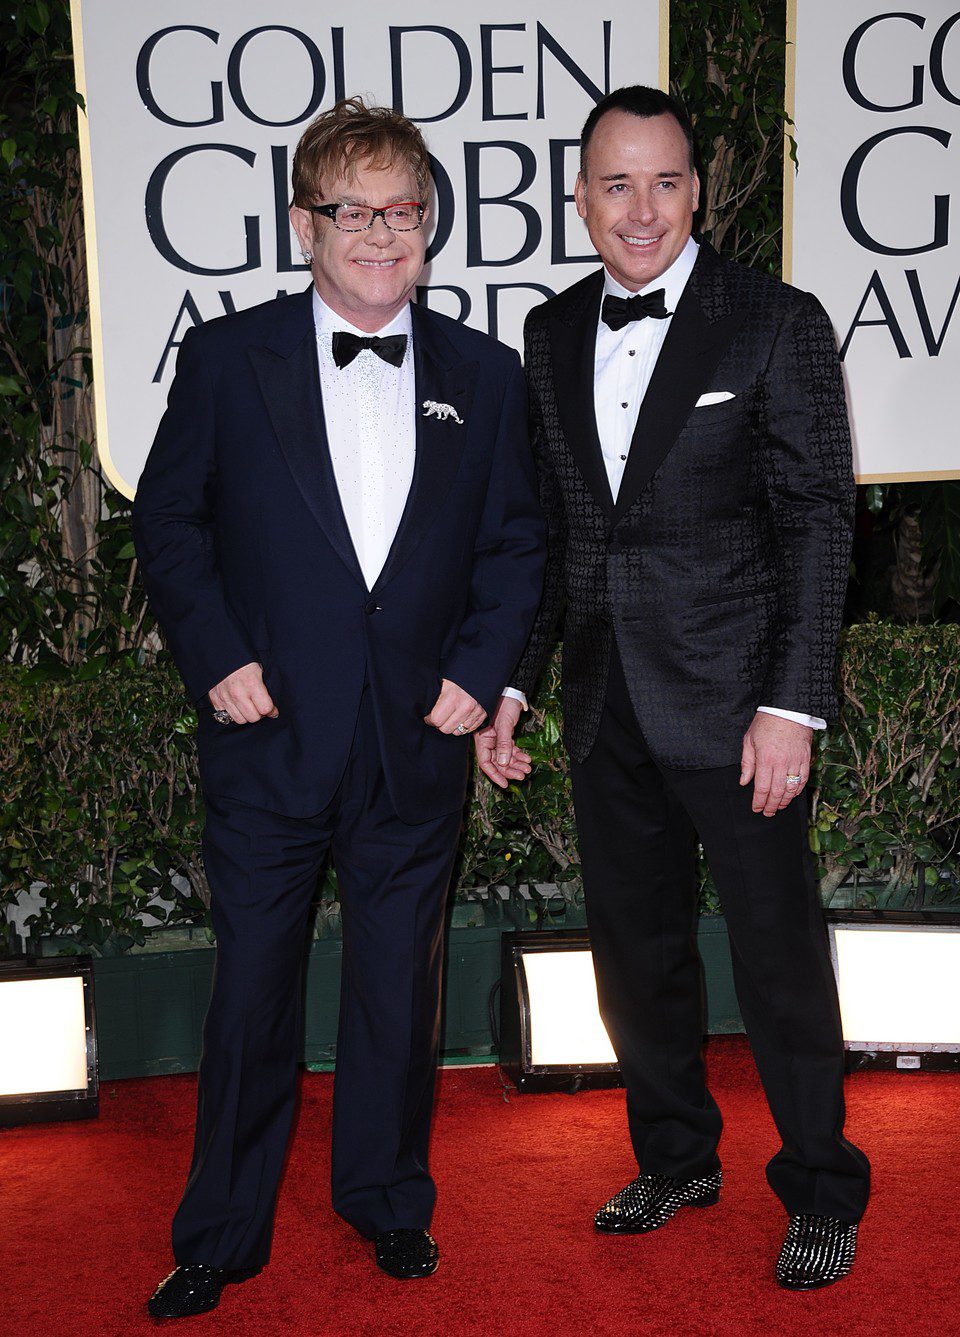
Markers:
<point>223,717</point>
<point>461,728</point>
<point>792,780</point>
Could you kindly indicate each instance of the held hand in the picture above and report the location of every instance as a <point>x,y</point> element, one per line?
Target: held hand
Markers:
<point>454,708</point>
<point>497,754</point>
<point>243,696</point>
<point>773,750</point>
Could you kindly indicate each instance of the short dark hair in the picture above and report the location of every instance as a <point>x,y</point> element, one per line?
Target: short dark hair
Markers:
<point>640,101</point>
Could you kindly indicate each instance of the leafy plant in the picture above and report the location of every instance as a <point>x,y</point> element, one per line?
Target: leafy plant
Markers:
<point>66,560</point>
<point>917,535</point>
<point>727,68</point>
<point>526,833</point>
<point>888,789</point>
<point>101,800</point>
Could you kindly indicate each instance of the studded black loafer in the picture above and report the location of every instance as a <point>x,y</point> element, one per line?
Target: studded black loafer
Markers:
<point>407,1253</point>
<point>817,1251</point>
<point>650,1201</point>
<point>193,1288</point>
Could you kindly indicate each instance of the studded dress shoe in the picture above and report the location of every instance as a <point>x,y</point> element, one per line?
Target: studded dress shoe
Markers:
<point>650,1201</point>
<point>817,1251</point>
<point>407,1253</point>
<point>193,1288</point>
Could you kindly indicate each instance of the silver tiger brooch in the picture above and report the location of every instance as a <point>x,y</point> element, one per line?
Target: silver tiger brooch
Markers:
<point>431,409</point>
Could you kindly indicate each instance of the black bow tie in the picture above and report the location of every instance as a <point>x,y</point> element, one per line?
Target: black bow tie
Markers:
<point>619,311</point>
<point>346,346</point>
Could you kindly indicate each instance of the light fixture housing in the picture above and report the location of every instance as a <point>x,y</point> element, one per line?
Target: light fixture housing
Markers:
<point>48,1040</point>
<point>897,974</point>
<point>552,1037</point>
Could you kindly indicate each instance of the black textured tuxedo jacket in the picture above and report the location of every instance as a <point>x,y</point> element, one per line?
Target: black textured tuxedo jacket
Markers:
<point>721,568</point>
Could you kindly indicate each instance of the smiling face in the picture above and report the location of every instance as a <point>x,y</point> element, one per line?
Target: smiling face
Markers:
<point>366,277</point>
<point>638,194</point>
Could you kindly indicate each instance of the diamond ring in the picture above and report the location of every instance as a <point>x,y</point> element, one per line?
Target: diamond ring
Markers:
<point>461,728</point>
<point>223,717</point>
<point>793,779</point>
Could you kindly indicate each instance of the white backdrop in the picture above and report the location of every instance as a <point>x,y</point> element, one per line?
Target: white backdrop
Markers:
<point>876,218</point>
<point>193,112</point>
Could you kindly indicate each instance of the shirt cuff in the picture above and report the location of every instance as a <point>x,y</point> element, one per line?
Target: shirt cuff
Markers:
<point>515,694</point>
<point>811,721</point>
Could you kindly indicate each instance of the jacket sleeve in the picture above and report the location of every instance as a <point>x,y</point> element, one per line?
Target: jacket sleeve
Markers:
<point>508,559</point>
<point>808,472</point>
<point>545,628</point>
<point>174,534</point>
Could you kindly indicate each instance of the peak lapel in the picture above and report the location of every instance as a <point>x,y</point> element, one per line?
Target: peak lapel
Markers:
<point>691,351</point>
<point>573,340</point>
<point>289,378</point>
<point>443,378</point>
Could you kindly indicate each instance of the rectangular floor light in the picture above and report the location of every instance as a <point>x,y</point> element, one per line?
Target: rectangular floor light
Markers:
<point>897,973</point>
<point>551,1034</point>
<point>48,1046</point>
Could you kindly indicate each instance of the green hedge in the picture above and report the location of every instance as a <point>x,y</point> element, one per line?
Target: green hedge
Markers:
<point>101,802</point>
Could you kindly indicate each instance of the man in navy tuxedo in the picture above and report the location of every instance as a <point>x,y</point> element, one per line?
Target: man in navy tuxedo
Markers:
<point>339,532</point>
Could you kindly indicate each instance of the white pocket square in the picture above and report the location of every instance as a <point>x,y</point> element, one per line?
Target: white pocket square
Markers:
<point>714,397</point>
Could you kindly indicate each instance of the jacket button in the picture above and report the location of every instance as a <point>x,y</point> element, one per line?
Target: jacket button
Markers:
<point>371,606</point>
<point>613,547</point>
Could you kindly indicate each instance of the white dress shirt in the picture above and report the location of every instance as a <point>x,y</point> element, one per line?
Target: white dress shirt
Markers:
<point>624,362</point>
<point>370,412</point>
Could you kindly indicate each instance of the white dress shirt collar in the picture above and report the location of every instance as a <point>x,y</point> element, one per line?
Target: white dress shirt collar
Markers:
<point>673,280</point>
<point>327,321</point>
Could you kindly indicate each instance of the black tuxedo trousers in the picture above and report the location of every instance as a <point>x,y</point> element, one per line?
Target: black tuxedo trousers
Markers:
<point>262,867</point>
<point>638,822</point>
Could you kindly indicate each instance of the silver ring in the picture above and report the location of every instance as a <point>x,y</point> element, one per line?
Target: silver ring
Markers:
<point>223,717</point>
<point>793,779</point>
<point>461,728</point>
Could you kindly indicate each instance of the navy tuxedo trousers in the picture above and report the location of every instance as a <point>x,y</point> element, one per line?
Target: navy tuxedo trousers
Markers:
<point>638,824</point>
<point>262,868</point>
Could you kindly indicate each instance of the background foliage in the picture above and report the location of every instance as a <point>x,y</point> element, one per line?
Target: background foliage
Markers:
<point>727,68</point>
<point>104,807</point>
<point>67,586</point>
<point>99,800</point>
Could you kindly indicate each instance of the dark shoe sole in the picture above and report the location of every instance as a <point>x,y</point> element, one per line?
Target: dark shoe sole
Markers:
<point>810,1285</point>
<point>708,1200</point>
<point>408,1276</point>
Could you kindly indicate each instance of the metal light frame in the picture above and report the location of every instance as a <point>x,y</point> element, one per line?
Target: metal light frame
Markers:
<point>516,1059</point>
<point>917,1055</point>
<point>43,1106</point>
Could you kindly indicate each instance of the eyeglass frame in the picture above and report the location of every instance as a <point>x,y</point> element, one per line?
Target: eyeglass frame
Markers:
<point>330,211</point>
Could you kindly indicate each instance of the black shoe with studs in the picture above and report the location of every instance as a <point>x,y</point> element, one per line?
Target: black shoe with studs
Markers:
<point>407,1253</point>
<point>193,1288</point>
<point>817,1251</point>
<point>650,1201</point>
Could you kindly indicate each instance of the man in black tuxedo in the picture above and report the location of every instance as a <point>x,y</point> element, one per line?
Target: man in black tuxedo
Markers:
<point>339,531</point>
<point>692,441</point>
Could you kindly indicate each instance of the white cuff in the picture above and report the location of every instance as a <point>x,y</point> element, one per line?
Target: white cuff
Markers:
<point>515,694</point>
<point>811,721</point>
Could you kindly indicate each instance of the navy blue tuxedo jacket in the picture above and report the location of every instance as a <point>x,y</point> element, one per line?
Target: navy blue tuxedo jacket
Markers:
<point>246,556</point>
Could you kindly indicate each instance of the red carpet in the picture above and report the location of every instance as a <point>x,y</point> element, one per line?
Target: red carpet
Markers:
<point>86,1207</point>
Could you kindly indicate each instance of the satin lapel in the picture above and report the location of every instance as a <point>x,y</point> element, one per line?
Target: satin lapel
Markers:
<point>290,385</point>
<point>691,351</point>
<point>573,341</point>
<point>440,377</point>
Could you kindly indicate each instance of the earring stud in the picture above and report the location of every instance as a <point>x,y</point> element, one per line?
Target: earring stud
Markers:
<point>307,256</point>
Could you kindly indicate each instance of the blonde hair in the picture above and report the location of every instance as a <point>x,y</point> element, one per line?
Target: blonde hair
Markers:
<point>336,141</point>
